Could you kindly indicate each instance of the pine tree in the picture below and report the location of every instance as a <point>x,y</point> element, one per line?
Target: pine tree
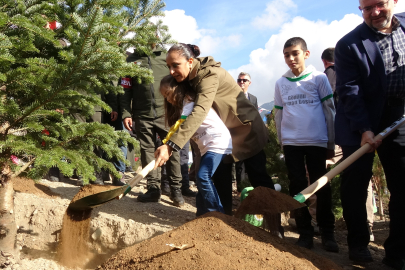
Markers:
<point>45,72</point>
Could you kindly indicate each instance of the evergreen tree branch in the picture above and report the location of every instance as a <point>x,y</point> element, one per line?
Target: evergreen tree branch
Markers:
<point>23,168</point>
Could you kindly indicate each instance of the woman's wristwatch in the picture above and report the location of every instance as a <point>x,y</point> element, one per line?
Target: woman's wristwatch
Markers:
<point>173,145</point>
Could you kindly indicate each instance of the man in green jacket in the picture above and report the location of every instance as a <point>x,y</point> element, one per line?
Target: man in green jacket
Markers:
<point>148,113</point>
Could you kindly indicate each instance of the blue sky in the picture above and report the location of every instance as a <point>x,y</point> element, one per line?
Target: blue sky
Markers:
<point>229,16</point>
<point>248,35</point>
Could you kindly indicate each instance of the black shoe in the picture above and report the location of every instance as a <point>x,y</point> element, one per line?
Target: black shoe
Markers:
<point>104,175</point>
<point>95,182</point>
<point>329,242</point>
<point>397,264</point>
<point>129,169</point>
<point>176,197</point>
<point>360,254</point>
<point>305,241</point>
<point>166,190</point>
<point>53,178</point>
<point>54,175</point>
<point>188,192</point>
<point>99,182</point>
<point>152,195</point>
<point>119,182</point>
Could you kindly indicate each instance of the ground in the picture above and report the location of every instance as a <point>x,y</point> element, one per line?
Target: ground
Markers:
<point>122,223</point>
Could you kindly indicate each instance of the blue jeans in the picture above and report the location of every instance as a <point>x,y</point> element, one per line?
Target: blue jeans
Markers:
<point>120,165</point>
<point>207,197</point>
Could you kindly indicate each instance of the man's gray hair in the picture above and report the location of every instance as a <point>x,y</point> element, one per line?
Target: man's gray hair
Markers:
<point>244,74</point>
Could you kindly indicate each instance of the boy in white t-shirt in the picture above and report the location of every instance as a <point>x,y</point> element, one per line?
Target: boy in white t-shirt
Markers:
<point>304,115</point>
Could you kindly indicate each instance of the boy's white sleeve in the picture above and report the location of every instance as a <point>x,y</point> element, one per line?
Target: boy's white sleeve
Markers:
<point>278,112</point>
<point>326,96</point>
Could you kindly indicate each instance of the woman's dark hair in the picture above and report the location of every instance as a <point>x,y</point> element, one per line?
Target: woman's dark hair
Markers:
<point>181,91</point>
<point>186,50</point>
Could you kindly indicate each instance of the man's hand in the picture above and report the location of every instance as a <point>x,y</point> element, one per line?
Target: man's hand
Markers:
<point>128,123</point>
<point>330,153</point>
<point>114,116</point>
<point>162,155</point>
<point>368,137</point>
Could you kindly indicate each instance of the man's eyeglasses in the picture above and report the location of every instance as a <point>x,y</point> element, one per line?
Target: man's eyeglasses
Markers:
<point>379,6</point>
<point>243,80</point>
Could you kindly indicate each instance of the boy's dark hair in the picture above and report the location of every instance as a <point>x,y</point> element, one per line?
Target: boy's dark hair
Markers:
<point>329,55</point>
<point>296,41</point>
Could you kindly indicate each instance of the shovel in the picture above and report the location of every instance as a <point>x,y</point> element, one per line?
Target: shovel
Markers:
<point>271,207</point>
<point>314,187</point>
<point>100,198</point>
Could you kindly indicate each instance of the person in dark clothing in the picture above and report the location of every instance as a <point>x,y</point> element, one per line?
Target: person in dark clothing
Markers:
<point>370,72</point>
<point>244,80</point>
<point>143,104</point>
<point>328,59</point>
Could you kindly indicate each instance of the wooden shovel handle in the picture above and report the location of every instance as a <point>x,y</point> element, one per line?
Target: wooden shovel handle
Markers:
<point>138,178</point>
<point>148,168</point>
<point>314,187</point>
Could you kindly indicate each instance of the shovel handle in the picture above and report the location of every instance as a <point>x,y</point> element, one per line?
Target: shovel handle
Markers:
<point>314,187</point>
<point>138,178</point>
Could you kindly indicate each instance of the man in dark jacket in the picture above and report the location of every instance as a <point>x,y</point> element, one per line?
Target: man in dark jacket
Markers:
<point>370,81</point>
<point>244,80</point>
<point>143,104</point>
<point>328,59</point>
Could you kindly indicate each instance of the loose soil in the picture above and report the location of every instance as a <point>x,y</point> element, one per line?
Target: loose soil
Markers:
<point>127,224</point>
<point>73,249</point>
<point>269,204</point>
<point>25,185</point>
<point>266,201</point>
<point>217,241</point>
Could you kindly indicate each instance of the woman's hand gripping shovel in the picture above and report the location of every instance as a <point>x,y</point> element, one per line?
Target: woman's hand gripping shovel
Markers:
<point>100,198</point>
<point>314,187</point>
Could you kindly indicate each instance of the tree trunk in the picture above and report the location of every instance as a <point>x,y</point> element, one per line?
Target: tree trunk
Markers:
<point>380,193</point>
<point>9,252</point>
<point>380,208</point>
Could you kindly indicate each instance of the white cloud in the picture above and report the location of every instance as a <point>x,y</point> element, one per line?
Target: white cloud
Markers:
<point>400,6</point>
<point>266,64</point>
<point>277,12</point>
<point>184,29</point>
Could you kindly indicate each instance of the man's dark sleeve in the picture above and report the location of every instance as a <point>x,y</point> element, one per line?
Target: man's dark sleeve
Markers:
<point>255,103</point>
<point>349,86</point>
<point>125,102</point>
<point>112,100</point>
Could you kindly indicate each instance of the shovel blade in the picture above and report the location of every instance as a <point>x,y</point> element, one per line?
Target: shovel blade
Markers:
<point>97,199</point>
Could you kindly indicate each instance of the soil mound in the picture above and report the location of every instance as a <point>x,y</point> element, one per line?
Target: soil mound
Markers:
<point>73,250</point>
<point>266,201</point>
<point>26,185</point>
<point>216,241</point>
